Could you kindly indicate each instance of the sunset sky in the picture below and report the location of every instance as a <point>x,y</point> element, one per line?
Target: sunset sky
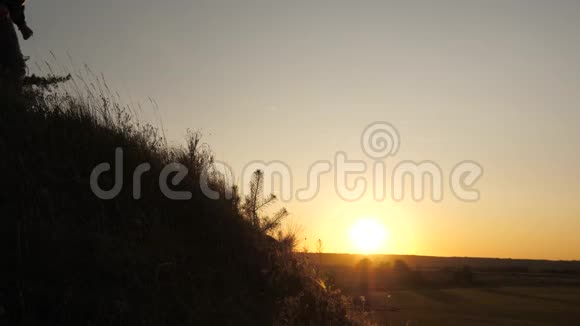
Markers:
<point>496,82</point>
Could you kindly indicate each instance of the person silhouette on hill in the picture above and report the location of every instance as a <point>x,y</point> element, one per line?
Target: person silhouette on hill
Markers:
<point>12,63</point>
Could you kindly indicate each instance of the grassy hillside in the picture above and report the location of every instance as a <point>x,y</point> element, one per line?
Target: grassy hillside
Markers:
<point>70,258</point>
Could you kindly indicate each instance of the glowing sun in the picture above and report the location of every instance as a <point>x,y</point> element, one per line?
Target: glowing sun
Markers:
<point>367,235</point>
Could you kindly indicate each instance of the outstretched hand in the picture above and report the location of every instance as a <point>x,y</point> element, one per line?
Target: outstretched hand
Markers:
<point>26,32</point>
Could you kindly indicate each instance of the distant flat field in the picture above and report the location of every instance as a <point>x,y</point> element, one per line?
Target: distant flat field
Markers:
<point>478,306</point>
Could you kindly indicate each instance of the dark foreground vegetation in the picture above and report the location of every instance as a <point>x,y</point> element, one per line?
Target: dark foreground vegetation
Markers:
<point>69,258</point>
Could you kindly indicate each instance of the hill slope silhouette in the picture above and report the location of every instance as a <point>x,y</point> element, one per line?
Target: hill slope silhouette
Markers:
<point>70,258</point>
